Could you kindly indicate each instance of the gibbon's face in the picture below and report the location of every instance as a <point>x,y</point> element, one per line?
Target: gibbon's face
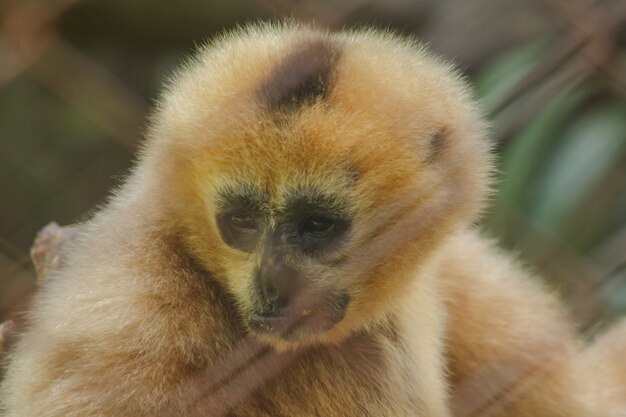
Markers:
<point>311,173</point>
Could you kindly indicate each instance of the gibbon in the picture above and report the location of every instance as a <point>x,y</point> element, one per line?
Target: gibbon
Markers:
<point>297,239</point>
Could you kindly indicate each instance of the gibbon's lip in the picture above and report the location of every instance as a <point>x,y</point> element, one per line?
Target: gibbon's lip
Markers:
<point>284,328</point>
<point>260,323</point>
<point>303,322</point>
<point>275,325</point>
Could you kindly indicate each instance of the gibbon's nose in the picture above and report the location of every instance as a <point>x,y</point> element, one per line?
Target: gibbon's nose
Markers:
<point>277,284</point>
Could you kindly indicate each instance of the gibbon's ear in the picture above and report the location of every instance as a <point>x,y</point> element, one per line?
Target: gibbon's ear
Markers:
<point>436,144</point>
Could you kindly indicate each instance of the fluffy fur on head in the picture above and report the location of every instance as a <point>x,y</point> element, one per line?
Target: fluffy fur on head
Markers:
<point>373,120</point>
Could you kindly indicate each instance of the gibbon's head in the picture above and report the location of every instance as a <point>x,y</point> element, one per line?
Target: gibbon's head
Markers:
<point>311,173</point>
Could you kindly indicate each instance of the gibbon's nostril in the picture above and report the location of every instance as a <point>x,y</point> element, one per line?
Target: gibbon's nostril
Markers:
<point>271,300</point>
<point>276,283</point>
<point>270,292</point>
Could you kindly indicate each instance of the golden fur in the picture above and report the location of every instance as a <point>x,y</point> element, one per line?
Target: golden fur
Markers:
<point>148,315</point>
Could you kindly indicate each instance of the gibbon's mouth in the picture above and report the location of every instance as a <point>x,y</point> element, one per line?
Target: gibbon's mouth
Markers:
<point>309,315</point>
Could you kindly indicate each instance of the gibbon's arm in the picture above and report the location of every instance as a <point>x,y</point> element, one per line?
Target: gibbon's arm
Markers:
<point>114,344</point>
<point>511,351</point>
<point>141,352</point>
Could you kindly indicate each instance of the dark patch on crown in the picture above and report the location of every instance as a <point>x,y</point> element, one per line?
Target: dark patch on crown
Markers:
<point>437,144</point>
<point>304,76</point>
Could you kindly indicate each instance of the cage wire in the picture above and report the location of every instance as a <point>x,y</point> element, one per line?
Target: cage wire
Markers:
<point>580,42</point>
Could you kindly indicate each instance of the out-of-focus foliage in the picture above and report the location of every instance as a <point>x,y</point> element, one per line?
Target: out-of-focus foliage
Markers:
<point>560,198</point>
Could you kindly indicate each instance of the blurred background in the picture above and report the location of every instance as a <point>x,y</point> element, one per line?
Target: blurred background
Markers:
<point>77,78</point>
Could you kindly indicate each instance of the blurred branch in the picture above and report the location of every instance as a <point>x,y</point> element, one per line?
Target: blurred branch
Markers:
<point>556,58</point>
<point>12,252</point>
<point>613,251</point>
<point>27,26</point>
<point>34,48</point>
<point>591,41</point>
<point>525,112</point>
<point>104,100</point>
<point>599,24</point>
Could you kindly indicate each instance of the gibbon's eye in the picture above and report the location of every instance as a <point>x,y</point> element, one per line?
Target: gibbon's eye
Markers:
<point>242,221</point>
<point>317,225</point>
<point>240,229</point>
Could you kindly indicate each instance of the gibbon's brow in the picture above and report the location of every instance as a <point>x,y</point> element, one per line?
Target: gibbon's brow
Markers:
<point>305,74</point>
<point>241,197</point>
<point>305,199</point>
